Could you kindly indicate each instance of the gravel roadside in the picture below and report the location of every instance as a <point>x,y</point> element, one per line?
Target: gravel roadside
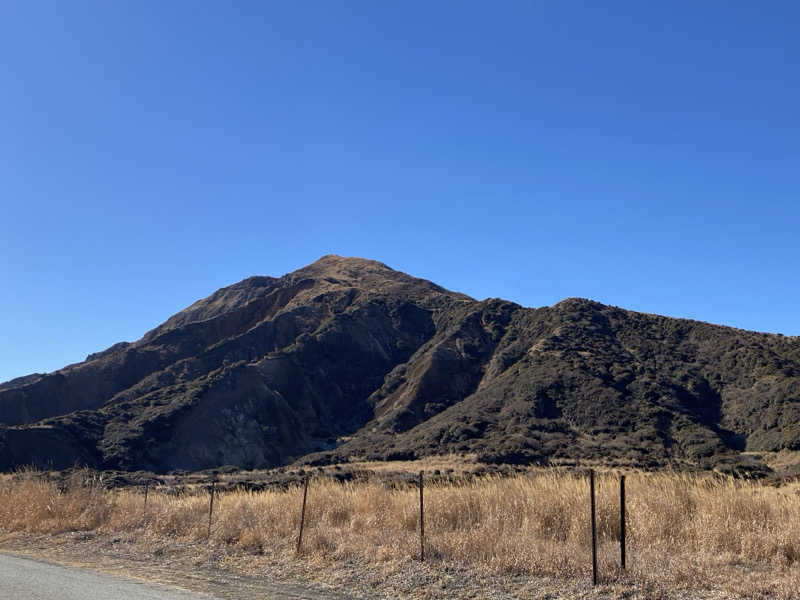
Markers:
<point>229,575</point>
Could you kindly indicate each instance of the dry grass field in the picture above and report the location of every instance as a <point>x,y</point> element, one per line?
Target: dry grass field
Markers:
<point>685,532</point>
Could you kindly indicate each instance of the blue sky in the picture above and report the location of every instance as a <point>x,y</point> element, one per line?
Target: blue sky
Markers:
<point>643,154</point>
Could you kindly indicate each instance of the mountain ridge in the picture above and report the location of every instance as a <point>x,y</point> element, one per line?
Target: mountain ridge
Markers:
<point>347,357</point>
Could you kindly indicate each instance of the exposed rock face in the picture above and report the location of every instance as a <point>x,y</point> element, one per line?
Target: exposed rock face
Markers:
<point>272,369</point>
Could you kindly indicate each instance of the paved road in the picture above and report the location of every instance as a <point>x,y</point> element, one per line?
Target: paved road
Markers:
<point>26,579</point>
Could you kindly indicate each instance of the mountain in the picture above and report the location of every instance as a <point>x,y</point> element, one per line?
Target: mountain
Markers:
<point>348,358</point>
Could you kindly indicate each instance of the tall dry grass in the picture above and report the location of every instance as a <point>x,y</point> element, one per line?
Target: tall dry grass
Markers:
<point>682,530</point>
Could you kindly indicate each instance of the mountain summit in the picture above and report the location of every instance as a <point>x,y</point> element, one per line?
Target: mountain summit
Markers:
<point>349,358</point>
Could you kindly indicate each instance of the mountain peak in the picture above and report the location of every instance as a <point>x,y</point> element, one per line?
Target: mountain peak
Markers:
<point>351,357</point>
<point>332,264</point>
<point>329,273</point>
<point>371,276</point>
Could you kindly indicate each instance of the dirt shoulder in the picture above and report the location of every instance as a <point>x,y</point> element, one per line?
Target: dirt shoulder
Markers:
<point>233,575</point>
<point>187,566</point>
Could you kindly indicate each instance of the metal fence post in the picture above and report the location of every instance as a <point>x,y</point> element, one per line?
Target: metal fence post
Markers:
<point>594,527</point>
<point>302,515</point>
<point>421,519</point>
<point>211,507</point>
<point>622,521</point>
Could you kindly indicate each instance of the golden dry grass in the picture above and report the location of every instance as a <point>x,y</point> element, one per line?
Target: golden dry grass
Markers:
<point>684,531</point>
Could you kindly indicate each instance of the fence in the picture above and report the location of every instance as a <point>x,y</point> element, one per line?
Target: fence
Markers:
<point>421,484</point>
<point>549,521</point>
<point>592,517</point>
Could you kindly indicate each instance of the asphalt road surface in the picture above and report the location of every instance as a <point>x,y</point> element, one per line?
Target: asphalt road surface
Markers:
<point>26,579</point>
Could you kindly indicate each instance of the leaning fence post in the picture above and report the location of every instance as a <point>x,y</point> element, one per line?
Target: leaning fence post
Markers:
<point>302,515</point>
<point>211,507</point>
<point>622,521</point>
<point>594,527</point>
<point>421,519</point>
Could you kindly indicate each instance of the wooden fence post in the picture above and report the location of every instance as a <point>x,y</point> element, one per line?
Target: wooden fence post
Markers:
<point>302,515</point>
<point>211,507</point>
<point>146,486</point>
<point>622,521</point>
<point>594,527</point>
<point>421,519</point>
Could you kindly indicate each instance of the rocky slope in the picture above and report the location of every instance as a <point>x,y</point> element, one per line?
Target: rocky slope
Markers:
<point>349,358</point>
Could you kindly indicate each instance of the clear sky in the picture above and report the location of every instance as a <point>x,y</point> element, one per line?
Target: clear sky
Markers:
<point>643,154</point>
